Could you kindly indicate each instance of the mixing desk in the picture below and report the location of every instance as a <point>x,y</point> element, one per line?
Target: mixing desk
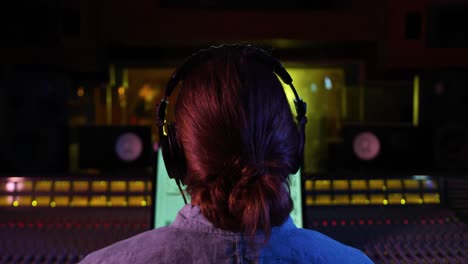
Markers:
<point>63,224</point>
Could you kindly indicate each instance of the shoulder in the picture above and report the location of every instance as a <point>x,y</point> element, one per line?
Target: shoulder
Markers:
<point>141,248</point>
<point>318,248</point>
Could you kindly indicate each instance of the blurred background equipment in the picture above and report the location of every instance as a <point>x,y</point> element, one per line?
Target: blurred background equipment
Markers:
<point>385,167</point>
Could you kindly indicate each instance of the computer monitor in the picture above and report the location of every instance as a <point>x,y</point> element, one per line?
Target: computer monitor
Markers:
<point>167,200</point>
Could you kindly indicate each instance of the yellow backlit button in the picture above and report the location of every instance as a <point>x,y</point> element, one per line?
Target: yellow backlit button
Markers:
<point>6,200</point>
<point>43,200</point>
<point>99,186</point>
<point>79,201</point>
<point>309,200</point>
<point>43,186</point>
<point>322,185</point>
<point>80,186</point>
<point>358,185</point>
<point>308,185</point>
<point>136,186</point>
<point>24,200</point>
<point>340,185</point>
<point>411,184</point>
<point>359,199</point>
<point>341,199</point>
<point>395,198</point>
<point>431,198</point>
<point>118,200</point>
<point>60,201</point>
<point>323,199</point>
<point>135,201</point>
<point>394,184</point>
<point>24,186</point>
<point>62,186</point>
<point>118,186</point>
<point>376,199</point>
<point>413,198</point>
<point>377,185</point>
<point>98,201</point>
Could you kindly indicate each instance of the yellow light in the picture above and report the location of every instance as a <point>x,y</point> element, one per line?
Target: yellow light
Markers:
<point>124,203</point>
<point>109,203</point>
<point>420,201</point>
<point>52,204</point>
<point>416,100</point>
<point>15,203</point>
<point>121,90</point>
<point>80,91</point>
<point>403,201</point>
<point>143,203</point>
<point>385,201</point>
<point>34,203</point>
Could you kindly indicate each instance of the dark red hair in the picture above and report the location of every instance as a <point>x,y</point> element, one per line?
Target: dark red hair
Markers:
<point>240,141</point>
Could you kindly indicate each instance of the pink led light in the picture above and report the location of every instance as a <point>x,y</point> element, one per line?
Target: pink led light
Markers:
<point>10,187</point>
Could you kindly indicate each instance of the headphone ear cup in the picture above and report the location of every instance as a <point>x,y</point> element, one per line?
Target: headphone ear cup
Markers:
<point>300,148</point>
<point>173,154</point>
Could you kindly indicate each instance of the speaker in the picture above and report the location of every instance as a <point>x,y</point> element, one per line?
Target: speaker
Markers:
<point>387,149</point>
<point>114,147</point>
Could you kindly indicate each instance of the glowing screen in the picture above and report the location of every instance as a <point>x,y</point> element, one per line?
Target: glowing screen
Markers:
<point>168,200</point>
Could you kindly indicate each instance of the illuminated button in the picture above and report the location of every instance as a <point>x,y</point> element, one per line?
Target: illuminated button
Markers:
<point>15,203</point>
<point>61,201</point>
<point>43,186</point>
<point>309,200</point>
<point>429,184</point>
<point>412,198</point>
<point>308,185</point>
<point>24,200</point>
<point>79,201</point>
<point>80,186</point>
<point>136,186</point>
<point>377,185</point>
<point>118,186</point>
<point>340,185</point>
<point>431,198</point>
<point>118,200</point>
<point>411,184</point>
<point>143,203</point>
<point>322,185</point>
<point>43,200</point>
<point>34,203</point>
<point>384,201</point>
<point>358,185</point>
<point>150,186</point>
<point>62,186</point>
<point>6,200</point>
<point>99,186</point>
<point>323,199</point>
<point>148,199</point>
<point>394,185</point>
<point>135,201</point>
<point>376,199</point>
<point>360,199</point>
<point>341,199</point>
<point>98,201</point>
<point>24,186</point>
<point>395,198</point>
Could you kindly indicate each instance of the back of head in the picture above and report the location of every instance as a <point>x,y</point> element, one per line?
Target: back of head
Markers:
<point>239,139</point>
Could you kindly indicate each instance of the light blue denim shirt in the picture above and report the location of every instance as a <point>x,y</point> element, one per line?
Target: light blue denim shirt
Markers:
<point>191,238</point>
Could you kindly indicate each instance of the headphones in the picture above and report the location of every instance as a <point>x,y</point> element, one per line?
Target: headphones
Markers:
<point>172,150</point>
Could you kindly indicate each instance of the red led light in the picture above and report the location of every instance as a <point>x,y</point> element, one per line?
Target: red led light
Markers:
<point>21,225</point>
<point>405,221</point>
<point>388,221</point>
<point>352,222</point>
<point>343,222</point>
<point>333,222</point>
<point>325,223</point>
<point>361,222</point>
<point>370,221</point>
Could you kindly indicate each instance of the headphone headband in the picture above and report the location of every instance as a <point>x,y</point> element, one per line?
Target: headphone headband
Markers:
<point>200,56</point>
